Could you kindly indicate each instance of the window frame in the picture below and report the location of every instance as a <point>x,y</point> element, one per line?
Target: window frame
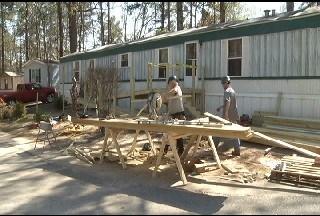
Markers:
<point>129,60</point>
<point>35,74</point>
<point>234,58</point>
<point>185,56</point>
<point>163,66</point>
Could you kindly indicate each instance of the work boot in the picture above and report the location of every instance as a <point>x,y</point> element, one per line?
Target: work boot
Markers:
<point>236,152</point>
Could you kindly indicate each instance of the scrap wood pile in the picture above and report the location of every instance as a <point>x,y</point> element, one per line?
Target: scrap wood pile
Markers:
<point>297,170</point>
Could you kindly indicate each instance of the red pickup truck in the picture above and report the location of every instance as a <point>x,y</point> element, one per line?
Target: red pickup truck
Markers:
<point>28,93</point>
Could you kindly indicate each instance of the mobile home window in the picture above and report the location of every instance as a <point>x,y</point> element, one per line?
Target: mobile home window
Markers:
<point>76,71</point>
<point>35,75</point>
<point>5,84</point>
<point>234,57</point>
<point>125,60</point>
<point>191,55</point>
<point>163,59</point>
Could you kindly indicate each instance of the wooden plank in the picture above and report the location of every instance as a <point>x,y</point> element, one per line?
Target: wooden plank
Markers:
<point>280,143</point>
<point>217,118</point>
<point>288,134</point>
<point>298,143</point>
<point>297,173</point>
<point>227,131</point>
<point>193,83</point>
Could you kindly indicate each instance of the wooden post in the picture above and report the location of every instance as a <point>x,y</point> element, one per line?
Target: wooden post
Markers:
<point>203,96</point>
<point>114,100</point>
<point>149,82</point>
<point>132,88</point>
<point>193,83</point>
<point>63,89</point>
<point>37,102</point>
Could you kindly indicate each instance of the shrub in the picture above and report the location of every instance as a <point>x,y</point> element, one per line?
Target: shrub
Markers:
<point>19,110</point>
<point>58,101</point>
<point>7,112</point>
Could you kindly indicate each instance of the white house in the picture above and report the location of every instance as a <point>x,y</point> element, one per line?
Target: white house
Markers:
<point>41,71</point>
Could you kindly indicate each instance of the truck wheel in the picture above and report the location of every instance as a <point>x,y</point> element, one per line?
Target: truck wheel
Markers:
<point>50,98</point>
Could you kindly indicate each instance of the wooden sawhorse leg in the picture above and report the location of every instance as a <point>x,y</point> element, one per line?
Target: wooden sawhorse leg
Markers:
<point>173,143</point>
<point>105,144</point>
<point>214,151</point>
<point>114,139</point>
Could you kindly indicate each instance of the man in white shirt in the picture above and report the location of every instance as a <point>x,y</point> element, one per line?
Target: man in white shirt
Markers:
<point>175,107</point>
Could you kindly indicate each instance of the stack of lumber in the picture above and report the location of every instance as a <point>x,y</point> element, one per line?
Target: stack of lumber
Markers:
<point>298,170</point>
<point>258,117</point>
<point>303,133</point>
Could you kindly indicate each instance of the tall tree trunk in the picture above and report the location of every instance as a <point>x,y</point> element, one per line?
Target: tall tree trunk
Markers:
<point>168,12</point>
<point>60,23</point>
<point>143,18</point>
<point>26,32</point>
<point>179,16</point>
<point>101,25</point>
<point>2,39</point>
<point>109,24</point>
<point>92,26</point>
<point>195,14</point>
<point>80,26</point>
<point>214,13</point>
<point>38,36</point>
<point>20,55</point>
<point>72,16</point>
<point>222,12</point>
<point>290,6</point>
<point>203,15</point>
<point>190,24</point>
<point>45,54</point>
<point>125,21</point>
<point>162,16</point>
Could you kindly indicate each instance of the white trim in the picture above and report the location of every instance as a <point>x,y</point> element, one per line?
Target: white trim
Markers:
<point>158,62</point>
<point>228,58</point>
<point>129,59</point>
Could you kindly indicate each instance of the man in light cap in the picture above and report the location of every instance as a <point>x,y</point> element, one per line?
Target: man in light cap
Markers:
<point>175,107</point>
<point>230,110</point>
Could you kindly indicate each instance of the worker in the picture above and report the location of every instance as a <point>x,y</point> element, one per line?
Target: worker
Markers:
<point>175,108</point>
<point>230,110</point>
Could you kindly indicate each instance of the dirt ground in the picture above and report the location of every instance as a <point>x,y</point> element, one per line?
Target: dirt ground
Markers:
<point>250,167</point>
